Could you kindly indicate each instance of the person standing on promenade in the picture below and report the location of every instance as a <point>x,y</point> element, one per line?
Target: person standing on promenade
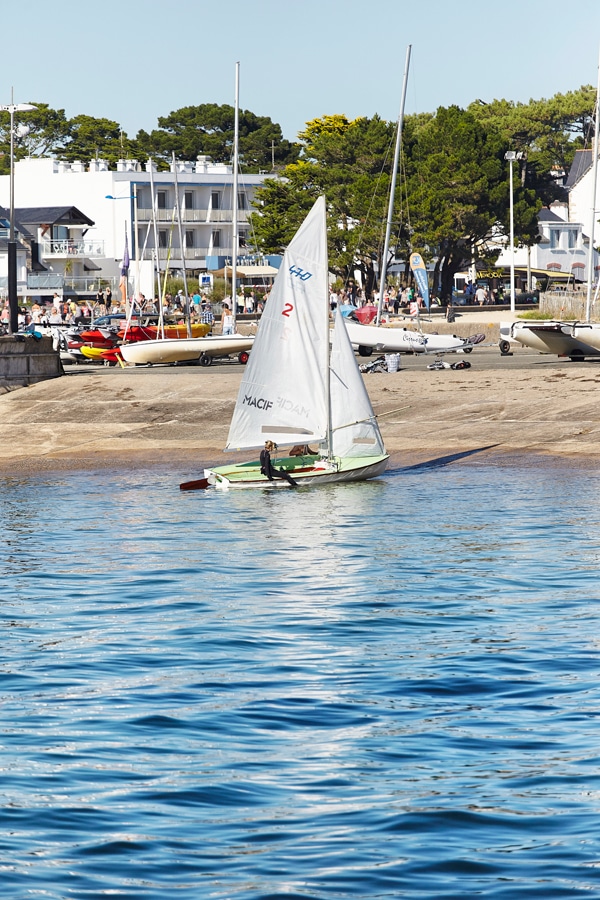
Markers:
<point>226,320</point>
<point>207,316</point>
<point>36,312</point>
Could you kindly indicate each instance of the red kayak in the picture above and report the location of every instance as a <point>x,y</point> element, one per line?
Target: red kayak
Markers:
<point>112,357</point>
<point>99,338</point>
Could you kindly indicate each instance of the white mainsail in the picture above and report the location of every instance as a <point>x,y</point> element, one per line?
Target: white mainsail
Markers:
<point>355,430</point>
<point>283,394</point>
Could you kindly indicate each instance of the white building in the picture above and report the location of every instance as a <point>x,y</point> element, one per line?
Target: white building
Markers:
<point>120,205</point>
<point>564,229</point>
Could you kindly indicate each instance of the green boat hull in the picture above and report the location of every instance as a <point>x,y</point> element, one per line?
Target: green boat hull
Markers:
<point>305,470</point>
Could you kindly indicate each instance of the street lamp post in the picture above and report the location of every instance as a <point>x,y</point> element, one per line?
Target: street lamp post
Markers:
<point>511,155</point>
<point>12,108</point>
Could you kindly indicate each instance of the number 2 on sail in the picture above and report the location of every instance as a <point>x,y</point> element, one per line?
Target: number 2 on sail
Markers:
<point>287,310</point>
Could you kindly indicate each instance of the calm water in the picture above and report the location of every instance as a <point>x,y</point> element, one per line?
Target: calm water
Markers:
<point>383,690</point>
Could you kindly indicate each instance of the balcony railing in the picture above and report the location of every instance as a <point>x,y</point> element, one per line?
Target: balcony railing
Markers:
<point>54,282</point>
<point>194,216</point>
<point>191,253</point>
<point>45,281</point>
<point>72,248</point>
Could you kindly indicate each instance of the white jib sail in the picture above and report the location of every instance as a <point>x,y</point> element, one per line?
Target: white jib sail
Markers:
<point>282,396</point>
<point>355,430</point>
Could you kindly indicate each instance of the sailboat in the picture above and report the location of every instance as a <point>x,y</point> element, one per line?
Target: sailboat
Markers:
<point>297,392</point>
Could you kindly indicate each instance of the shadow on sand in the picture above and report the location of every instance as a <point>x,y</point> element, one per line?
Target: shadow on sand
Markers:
<point>439,461</point>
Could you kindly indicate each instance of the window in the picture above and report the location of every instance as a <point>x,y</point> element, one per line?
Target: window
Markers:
<point>189,239</point>
<point>216,239</point>
<point>242,201</point>
<point>163,238</point>
<point>243,237</point>
<point>161,199</point>
<point>188,200</point>
<point>554,238</point>
<point>144,198</point>
<point>571,238</point>
<point>215,200</point>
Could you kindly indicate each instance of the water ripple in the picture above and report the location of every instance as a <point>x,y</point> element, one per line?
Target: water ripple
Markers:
<point>371,691</point>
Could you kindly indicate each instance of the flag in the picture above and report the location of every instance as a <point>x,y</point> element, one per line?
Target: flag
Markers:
<point>420,272</point>
<point>124,272</point>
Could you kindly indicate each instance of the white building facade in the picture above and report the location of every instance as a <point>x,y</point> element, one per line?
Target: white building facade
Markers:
<point>120,204</point>
<point>565,229</point>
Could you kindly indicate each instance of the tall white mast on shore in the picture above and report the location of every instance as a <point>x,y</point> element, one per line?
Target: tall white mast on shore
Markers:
<point>234,199</point>
<point>591,269</point>
<point>388,228</point>
<point>182,248</point>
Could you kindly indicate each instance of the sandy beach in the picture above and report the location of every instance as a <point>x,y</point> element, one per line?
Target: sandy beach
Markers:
<point>178,417</point>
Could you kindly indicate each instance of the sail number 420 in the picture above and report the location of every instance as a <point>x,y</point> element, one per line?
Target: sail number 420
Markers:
<point>300,273</point>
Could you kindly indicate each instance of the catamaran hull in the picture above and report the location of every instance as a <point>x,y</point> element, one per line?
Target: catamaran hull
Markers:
<point>304,472</point>
<point>145,353</point>
<point>403,340</point>
<point>560,338</point>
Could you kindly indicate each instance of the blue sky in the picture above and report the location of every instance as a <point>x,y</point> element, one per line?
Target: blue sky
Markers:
<point>135,60</point>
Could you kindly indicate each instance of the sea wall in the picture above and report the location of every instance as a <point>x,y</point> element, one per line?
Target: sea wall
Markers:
<point>26,360</point>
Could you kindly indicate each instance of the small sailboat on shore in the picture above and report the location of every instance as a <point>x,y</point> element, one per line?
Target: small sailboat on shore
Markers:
<point>295,392</point>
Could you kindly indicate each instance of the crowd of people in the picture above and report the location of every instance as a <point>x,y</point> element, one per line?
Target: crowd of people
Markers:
<point>480,295</point>
<point>63,311</point>
<point>395,300</point>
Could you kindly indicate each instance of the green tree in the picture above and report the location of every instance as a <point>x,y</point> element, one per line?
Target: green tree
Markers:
<point>459,193</point>
<point>547,131</point>
<point>89,137</point>
<point>208,130</point>
<point>349,162</point>
<point>48,129</point>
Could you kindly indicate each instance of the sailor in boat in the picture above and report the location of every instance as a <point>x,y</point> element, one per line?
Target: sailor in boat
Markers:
<point>267,468</point>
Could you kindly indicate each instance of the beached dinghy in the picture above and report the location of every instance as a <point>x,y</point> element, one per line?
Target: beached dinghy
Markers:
<point>294,391</point>
<point>148,353</point>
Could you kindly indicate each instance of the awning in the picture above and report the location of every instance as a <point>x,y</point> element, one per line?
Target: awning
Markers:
<point>247,272</point>
<point>555,274</point>
<point>90,266</point>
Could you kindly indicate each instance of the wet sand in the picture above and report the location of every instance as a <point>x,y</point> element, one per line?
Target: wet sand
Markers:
<point>178,417</point>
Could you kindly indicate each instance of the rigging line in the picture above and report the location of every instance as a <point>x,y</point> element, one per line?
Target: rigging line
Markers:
<point>161,323</point>
<point>368,216</point>
<point>249,222</point>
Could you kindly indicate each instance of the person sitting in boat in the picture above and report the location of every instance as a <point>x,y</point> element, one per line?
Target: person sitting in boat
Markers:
<point>267,468</point>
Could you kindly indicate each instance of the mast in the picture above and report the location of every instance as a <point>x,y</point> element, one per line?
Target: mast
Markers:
<point>180,230</point>
<point>234,199</point>
<point>590,272</point>
<point>388,229</point>
<point>156,260</point>
<point>136,248</point>
<point>327,354</point>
